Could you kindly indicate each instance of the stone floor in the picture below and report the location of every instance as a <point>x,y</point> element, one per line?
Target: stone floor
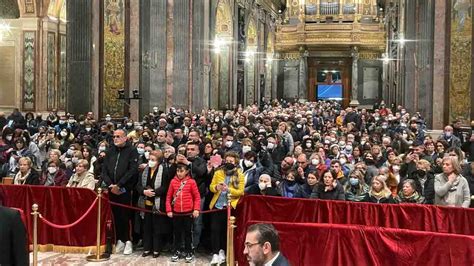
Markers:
<point>52,258</point>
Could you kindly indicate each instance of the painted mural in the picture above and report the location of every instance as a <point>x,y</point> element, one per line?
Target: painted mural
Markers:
<point>51,66</point>
<point>460,65</point>
<point>29,46</point>
<point>114,56</point>
<point>62,73</point>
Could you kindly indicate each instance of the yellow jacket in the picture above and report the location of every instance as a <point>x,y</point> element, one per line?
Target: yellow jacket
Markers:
<point>235,192</point>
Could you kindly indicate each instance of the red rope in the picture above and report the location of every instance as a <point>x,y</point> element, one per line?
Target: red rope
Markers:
<point>66,226</point>
<point>160,212</point>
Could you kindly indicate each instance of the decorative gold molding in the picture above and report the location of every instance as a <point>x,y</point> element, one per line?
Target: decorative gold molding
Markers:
<point>370,55</point>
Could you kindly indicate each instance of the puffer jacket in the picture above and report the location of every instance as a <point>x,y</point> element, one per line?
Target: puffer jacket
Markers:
<point>188,198</point>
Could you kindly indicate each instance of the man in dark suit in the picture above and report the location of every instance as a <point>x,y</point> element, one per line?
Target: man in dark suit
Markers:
<point>13,248</point>
<point>262,246</point>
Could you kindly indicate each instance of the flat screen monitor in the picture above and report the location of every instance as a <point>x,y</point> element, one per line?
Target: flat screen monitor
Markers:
<point>329,92</point>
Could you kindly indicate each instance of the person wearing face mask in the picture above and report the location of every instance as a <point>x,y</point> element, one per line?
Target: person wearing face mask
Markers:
<point>142,160</point>
<point>229,179</point>
<point>231,145</point>
<point>289,187</point>
<point>249,167</point>
<point>152,187</point>
<point>264,187</point>
<point>450,138</point>
<point>308,147</point>
<point>54,175</point>
<point>356,189</point>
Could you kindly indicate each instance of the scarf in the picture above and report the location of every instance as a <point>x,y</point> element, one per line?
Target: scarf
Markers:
<point>21,180</point>
<point>384,193</point>
<point>157,184</point>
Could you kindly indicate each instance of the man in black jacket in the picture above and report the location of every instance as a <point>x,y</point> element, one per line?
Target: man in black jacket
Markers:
<point>120,172</point>
<point>13,246</point>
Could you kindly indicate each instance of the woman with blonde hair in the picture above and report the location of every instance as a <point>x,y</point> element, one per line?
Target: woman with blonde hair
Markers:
<point>26,175</point>
<point>284,133</point>
<point>379,192</point>
<point>227,180</point>
<point>451,188</point>
<point>82,178</point>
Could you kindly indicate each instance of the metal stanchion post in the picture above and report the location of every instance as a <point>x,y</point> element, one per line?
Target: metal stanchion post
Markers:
<point>230,250</point>
<point>35,214</point>
<point>229,237</point>
<point>98,256</point>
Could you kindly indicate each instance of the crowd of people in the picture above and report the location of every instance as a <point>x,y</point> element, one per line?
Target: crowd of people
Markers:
<point>182,163</point>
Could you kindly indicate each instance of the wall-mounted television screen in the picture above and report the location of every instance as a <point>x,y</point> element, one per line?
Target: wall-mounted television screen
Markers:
<point>329,92</point>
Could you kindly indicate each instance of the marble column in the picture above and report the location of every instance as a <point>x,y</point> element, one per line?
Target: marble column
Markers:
<point>439,65</point>
<point>134,57</point>
<point>355,75</point>
<point>303,74</point>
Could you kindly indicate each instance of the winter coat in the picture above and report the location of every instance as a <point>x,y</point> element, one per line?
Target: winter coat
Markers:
<point>187,200</point>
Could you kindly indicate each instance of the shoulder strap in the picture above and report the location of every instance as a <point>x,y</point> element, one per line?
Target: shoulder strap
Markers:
<point>178,191</point>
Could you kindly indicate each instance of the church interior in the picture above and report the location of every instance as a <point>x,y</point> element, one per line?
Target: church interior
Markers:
<point>219,54</point>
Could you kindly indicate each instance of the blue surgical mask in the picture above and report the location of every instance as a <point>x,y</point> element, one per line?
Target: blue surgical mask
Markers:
<point>354,181</point>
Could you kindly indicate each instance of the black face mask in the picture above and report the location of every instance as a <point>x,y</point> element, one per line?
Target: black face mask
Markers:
<point>420,172</point>
<point>229,166</point>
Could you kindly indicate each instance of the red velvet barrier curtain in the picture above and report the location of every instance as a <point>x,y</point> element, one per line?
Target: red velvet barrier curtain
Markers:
<point>332,244</point>
<point>404,216</point>
<point>61,206</point>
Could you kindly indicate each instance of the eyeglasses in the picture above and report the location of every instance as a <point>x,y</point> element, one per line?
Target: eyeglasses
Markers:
<point>117,137</point>
<point>249,245</point>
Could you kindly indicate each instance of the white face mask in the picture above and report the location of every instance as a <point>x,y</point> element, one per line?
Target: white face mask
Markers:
<point>52,170</point>
<point>75,160</point>
<point>88,129</point>
<point>152,164</point>
<point>315,162</point>
<point>147,154</point>
<point>129,124</point>
<point>229,143</point>
<point>396,168</point>
<point>299,126</point>
<point>246,149</point>
<point>70,152</point>
<point>102,148</point>
<point>262,186</point>
<point>108,119</point>
<point>342,161</point>
<point>308,145</point>
<point>140,151</point>
<point>248,163</point>
<point>9,138</point>
<point>270,146</point>
<point>63,134</point>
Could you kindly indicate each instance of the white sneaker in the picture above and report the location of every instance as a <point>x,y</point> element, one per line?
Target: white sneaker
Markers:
<point>119,247</point>
<point>215,259</point>
<point>222,256</point>
<point>128,248</point>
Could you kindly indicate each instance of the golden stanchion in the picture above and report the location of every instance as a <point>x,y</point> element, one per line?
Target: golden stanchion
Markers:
<point>98,256</point>
<point>35,214</point>
<point>230,237</point>
<point>230,248</point>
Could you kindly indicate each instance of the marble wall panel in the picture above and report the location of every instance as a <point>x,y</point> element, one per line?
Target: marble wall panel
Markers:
<point>29,47</point>
<point>62,86</point>
<point>7,76</point>
<point>51,72</point>
<point>291,80</point>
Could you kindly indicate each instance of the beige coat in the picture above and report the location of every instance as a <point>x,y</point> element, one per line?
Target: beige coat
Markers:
<point>86,180</point>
